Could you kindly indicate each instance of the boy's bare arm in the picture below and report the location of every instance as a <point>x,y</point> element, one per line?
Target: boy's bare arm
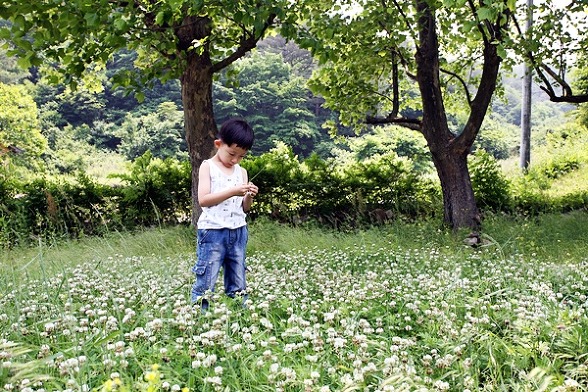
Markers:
<point>207,199</point>
<point>251,192</point>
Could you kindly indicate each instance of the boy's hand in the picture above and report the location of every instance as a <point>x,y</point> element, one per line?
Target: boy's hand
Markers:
<point>241,190</point>
<point>253,189</point>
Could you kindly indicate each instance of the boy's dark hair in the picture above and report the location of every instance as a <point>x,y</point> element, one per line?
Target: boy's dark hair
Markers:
<point>237,131</point>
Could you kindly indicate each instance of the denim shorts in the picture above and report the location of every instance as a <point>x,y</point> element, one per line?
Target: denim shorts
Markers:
<point>220,248</point>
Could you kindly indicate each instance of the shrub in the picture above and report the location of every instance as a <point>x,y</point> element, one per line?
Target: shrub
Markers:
<point>157,191</point>
<point>491,188</point>
<point>559,166</point>
<point>292,191</point>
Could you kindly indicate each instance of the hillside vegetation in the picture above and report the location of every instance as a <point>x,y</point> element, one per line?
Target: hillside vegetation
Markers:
<point>97,161</point>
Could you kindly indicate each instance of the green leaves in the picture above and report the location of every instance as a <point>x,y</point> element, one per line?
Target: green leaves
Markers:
<point>19,123</point>
<point>485,13</point>
<point>92,19</point>
<point>161,18</point>
<point>76,33</point>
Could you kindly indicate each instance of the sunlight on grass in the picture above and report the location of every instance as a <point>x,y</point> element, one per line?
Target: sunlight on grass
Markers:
<point>103,164</point>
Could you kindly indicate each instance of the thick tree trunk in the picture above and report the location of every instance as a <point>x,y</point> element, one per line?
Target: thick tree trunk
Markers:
<point>449,149</point>
<point>459,205</point>
<point>196,80</point>
<point>199,123</point>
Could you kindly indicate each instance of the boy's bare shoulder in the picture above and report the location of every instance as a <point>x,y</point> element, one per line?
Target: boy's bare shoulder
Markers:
<point>204,168</point>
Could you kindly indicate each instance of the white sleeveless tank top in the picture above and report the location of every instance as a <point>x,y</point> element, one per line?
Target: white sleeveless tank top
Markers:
<point>228,214</point>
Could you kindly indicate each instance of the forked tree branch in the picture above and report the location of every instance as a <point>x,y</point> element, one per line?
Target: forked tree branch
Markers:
<point>547,86</point>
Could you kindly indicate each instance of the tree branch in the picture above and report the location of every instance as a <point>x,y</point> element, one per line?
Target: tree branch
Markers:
<point>478,25</point>
<point>481,102</point>
<point>411,123</point>
<point>463,83</point>
<point>403,14</point>
<point>568,95</point>
<point>248,41</point>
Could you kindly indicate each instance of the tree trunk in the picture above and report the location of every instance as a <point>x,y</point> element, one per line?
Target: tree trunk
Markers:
<point>525,150</point>
<point>450,150</point>
<point>459,205</point>
<point>199,123</point>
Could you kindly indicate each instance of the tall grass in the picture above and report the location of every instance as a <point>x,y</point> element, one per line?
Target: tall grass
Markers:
<point>399,307</point>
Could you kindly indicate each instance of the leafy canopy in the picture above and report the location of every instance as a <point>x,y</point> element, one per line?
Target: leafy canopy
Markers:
<point>365,50</point>
<point>76,37</point>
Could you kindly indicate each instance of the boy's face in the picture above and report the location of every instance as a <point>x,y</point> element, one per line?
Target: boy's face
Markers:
<point>229,155</point>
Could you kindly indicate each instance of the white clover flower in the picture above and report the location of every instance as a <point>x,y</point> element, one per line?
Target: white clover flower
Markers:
<point>441,385</point>
<point>209,360</point>
<point>328,317</point>
<point>266,323</point>
<point>346,379</point>
<point>572,384</point>
<point>289,373</point>
<point>338,342</point>
<point>214,380</point>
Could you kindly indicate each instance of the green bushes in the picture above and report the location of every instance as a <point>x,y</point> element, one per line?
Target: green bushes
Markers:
<point>537,191</point>
<point>526,194</point>
<point>491,188</point>
<point>337,193</point>
<point>154,192</point>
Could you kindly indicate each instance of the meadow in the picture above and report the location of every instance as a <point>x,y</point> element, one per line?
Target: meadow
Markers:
<point>400,307</point>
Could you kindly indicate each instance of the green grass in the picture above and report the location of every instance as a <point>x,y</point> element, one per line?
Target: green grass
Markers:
<point>53,257</point>
<point>402,307</point>
<point>544,156</point>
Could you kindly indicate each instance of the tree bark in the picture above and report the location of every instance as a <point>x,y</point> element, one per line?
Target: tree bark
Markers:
<point>449,151</point>
<point>525,150</point>
<point>459,205</point>
<point>199,123</point>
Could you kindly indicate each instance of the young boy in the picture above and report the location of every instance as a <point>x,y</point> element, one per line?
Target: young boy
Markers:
<point>225,195</point>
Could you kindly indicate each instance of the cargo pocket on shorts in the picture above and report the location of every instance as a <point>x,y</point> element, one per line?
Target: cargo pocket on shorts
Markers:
<point>199,268</point>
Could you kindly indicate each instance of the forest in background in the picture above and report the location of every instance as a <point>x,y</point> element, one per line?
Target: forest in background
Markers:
<point>94,159</point>
<point>95,126</point>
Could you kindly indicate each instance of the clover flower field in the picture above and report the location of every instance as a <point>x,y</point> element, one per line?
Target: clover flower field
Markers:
<point>365,318</point>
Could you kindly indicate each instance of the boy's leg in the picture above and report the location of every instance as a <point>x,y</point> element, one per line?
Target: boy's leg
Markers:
<point>234,264</point>
<point>210,257</point>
